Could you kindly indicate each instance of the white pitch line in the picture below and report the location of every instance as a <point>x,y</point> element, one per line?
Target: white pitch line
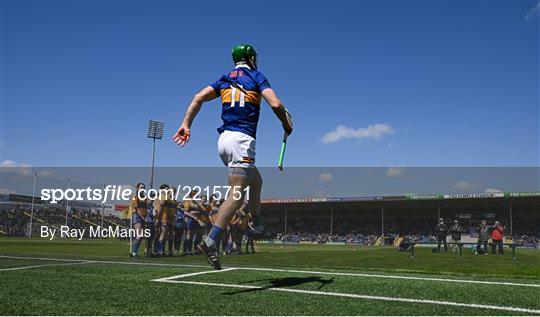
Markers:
<point>360,296</point>
<point>43,265</point>
<point>433,279</point>
<point>106,262</point>
<point>192,274</point>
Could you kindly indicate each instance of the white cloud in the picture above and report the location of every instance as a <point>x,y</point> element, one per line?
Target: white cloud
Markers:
<point>533,12</point>
<point>7,191</point>
<point>9,163</point>
<point>45,173</point>
<point>325,177</point>
<point>22,169</point>
<point>372,131</point>
<point>321,193</point>
<point>467,186</point>
<point>395,171</point>
<point>17,168</point>
<point>492,191</point>
<point>128,186</point>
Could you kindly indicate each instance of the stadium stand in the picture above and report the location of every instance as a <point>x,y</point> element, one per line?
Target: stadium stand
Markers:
<point>359,221</point>
<point>366,220</point>
<point>15,218</point>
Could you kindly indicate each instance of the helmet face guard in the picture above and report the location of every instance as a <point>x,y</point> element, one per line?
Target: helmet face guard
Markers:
<point>245,53</point>
<point>254,62</point>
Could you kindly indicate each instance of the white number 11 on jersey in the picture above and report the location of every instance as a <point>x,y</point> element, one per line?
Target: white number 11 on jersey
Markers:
<point>233,96</point>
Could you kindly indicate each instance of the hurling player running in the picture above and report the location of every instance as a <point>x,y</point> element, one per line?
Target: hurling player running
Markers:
<point>241,91</point>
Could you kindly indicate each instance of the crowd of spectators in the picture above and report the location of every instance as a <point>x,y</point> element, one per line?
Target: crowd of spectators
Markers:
<point>15,218</point>
<point>363,231</point>
<point>366,231</point>
<point>12,220</point>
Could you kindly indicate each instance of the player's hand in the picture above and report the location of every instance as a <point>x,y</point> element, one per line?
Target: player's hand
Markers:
<point>181,137</point>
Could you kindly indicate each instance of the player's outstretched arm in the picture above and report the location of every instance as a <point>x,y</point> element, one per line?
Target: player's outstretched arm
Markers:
<point>279,109</point>
<point>181,137</point>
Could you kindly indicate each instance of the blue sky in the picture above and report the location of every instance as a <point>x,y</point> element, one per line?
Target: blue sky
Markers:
<point>450,83</point>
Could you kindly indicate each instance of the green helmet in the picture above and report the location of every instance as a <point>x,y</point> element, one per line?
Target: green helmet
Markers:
<point>243,53</point>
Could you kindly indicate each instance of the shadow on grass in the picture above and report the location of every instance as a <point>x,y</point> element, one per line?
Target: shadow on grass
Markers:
<point>284,282</point>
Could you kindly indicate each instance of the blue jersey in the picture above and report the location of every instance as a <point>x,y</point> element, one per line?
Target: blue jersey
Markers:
<point>149,213</point>
<point>179,218</point>
<point>240,111</point>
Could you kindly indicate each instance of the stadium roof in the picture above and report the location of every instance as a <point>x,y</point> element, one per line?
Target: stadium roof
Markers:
<point>484,201</point>
<point>402,197</point>
<point>477,201</point>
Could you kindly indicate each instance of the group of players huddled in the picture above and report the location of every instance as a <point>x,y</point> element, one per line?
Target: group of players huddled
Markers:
<point>177,226</point>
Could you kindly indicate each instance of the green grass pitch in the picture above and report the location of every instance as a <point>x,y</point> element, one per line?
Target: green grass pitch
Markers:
<point>95,277</point>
